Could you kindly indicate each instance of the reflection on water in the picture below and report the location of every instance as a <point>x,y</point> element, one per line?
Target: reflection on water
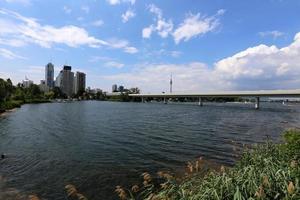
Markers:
<point>98,145</point>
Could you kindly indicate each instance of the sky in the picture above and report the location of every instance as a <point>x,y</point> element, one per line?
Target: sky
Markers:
<point>206,45</point>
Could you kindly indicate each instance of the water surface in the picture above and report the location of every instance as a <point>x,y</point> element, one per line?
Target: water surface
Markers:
<point>98,145</point>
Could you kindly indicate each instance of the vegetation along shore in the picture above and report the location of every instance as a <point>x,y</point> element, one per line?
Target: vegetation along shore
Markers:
<point>14,96</point>
<point>266,171</point>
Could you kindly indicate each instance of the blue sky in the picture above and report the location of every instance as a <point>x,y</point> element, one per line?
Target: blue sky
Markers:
<point>207,45</point>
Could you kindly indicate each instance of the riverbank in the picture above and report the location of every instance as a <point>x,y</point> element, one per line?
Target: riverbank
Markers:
<point>10,106</point>
<point>267,171</point>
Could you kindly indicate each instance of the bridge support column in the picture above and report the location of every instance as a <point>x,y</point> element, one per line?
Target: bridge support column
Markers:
<point>165,100</point>
<point>200,103</point>
<point>257,103</point>
<point>143,100</point>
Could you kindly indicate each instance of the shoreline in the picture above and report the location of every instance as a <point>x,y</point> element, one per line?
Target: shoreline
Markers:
<point>6,112</point>
<point>19,105</point>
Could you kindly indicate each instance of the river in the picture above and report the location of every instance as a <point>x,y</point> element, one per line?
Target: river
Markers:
<point>98,145</point>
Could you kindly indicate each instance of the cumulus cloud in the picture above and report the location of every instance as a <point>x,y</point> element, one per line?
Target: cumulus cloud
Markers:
<point>162,26</point>
<point>194,25</point>
<point>260,67</point>
<point>122,44</point>
<point>155,77</point>
<point>114,64</point>
<point>274,34</point>
<point>116,2</point>
<point>146,33</point>
<point>127,15</point>
<point>19,30</point>
<point>131,50</point>
<point>9,55</point>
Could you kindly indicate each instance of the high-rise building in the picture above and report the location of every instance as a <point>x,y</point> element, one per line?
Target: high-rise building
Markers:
<point>49,75</point>
<point>79,82</point>
<point>43,87</point>
<point>65,81</point>
<point>121,88</point>
<point>114,88</point>
<point>27,83</point>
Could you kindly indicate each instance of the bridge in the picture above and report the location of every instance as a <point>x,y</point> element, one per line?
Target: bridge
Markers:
<point>250,94</point>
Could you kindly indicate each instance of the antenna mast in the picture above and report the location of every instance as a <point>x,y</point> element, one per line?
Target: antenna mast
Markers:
<point>171,84</point>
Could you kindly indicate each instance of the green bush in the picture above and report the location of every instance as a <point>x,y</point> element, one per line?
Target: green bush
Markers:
<point>8,105</point>
<point>267,171</point>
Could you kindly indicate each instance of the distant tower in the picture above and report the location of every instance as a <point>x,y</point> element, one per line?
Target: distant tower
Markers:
<point>171,84</point>
<point>49,75</point>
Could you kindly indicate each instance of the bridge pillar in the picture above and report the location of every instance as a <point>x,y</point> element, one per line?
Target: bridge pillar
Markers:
<point>165,100</point>
<point>200,103</point>
<point>257,103</point>
<point>143,100</point>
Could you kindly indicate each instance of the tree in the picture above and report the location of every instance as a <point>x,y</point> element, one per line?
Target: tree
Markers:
<point>49,95</point>
<point>58,93</point>
<point>135,90</point>
<point>34,91</point>
<point>3,91</point>
<point>19,94</point>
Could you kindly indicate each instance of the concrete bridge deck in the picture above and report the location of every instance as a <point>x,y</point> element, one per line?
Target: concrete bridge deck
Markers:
<point>260,93</point>
<point>255,94</point>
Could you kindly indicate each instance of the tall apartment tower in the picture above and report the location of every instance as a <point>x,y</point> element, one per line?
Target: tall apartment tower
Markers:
<point>49,75</point>
<point>79,82</point>
<point>114,88</point>
<point>65,81</point>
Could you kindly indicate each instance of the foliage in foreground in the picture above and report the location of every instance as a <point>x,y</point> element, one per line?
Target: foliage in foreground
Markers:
<point>268,171</point>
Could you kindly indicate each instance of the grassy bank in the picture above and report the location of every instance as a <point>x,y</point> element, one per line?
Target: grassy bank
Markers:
<point>11,104</point>
<point>268,171</point>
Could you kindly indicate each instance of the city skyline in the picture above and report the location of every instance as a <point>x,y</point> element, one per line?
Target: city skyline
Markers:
<point>205,46</point>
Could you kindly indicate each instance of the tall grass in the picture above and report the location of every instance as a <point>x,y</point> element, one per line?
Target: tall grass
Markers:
<point>267,171</point>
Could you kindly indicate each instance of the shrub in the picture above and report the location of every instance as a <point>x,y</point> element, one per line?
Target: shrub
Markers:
<point>267,171</point>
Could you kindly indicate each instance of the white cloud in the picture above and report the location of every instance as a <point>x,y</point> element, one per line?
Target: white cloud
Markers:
<point>20,30</point>
<point>113,2</point>
<point>162,26</point>
<point>85,9</point>
<point>155,10</point>
<point>260,67</point>
<point>155,77</point>
<point>114,64</point>
<point>274,34</point>
<point>192,26</point>
<point>147,31</point>
<point>116,2</point>
<point>24,2</point>
<point>195,25</point>
<point>97,23</point>
<point>12,42</point>
<point>128,15</point>
<point>67,10</point>
<point>131,50</point>
<point>161,53</point>
<point>122,44</point>
<point>9,55</point>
